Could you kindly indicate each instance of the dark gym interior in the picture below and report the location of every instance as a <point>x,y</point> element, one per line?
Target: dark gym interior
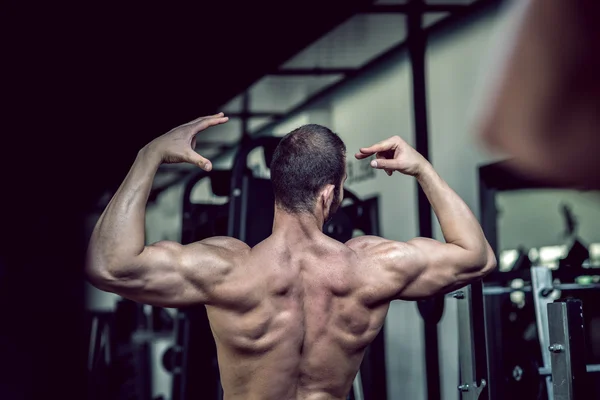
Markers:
<point>88,85</point>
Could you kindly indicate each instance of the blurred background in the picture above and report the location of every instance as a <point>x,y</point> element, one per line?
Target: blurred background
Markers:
<point>95,83</point>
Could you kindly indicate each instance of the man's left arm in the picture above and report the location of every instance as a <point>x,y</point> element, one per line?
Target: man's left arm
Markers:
<point>165,273</point>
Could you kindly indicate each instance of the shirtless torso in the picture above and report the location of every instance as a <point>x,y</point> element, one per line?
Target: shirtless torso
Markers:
<point>292,316</point>
<point>300,321</point>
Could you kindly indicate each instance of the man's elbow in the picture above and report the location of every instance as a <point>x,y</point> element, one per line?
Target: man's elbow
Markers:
<point>489,262</point>
<point>103,275</point>
<point>99,277</point>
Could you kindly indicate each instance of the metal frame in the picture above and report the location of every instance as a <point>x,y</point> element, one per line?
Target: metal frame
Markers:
<point>541,284</point>
<point>473,367</point>
<point>496,290</point>
<point>411,7</point>
<point>313,71</point>
<point>431,310</point>
<point>567,348</point>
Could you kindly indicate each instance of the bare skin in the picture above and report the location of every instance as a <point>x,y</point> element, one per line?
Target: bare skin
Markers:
<point>543,109</point>
<point>292,316</point>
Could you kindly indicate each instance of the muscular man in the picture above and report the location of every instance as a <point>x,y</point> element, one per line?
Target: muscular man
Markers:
<point>292,316</point>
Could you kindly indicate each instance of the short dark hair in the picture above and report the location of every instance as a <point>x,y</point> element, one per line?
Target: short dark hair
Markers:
<point>307,159</point>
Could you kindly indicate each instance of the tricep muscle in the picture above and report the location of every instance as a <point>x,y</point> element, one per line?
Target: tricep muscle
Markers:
<point>418,268</point>
<point>168,274</point>
<point>439,268</point>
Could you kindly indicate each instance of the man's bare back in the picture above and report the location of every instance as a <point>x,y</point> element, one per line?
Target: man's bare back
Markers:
<point>307,315</point>
<point>292,316</point>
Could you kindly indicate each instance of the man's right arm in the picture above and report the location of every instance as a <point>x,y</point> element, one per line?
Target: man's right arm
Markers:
<point>424,267</point>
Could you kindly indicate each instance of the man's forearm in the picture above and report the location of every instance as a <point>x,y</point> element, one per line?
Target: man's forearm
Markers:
<point>459,225</point>
<point>119,235</point>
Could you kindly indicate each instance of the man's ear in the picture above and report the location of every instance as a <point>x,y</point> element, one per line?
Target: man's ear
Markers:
<point>327,196</point>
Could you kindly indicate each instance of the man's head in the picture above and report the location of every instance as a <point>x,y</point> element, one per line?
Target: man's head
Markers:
<point>308,169</point>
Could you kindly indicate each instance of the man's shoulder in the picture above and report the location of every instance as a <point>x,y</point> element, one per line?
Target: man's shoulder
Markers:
<point>226,243</point>
<point>223,247</point>
<point>361,243</point>
<point>377,248</point>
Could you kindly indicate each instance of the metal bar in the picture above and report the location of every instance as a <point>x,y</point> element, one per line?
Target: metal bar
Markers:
<point>312,71</point>
<point>561,352</point>
<point>406,8</point>
<point>488,212</point>
<point>417,42</point>
<point>541,282</point>
<point>245,114</point>
<point>488,216</point>
<point>576,336</point>
<point>244,209</point>
<point>479,336</point>
<point>179,379</point>
<point>590,368</point>
<point>496,290</point>
<point>92,346</point>
<point>470,339</point>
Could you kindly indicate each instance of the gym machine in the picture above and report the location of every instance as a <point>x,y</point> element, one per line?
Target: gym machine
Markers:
<point>537,347</point>
<point>248,215</point>
<point>561,335</point>
<point>118,359</point>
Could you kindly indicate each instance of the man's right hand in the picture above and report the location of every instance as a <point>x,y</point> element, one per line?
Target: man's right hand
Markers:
<point>177,145</point>
<point>394,154</point>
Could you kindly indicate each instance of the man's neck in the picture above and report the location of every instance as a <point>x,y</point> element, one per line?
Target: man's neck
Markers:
<point>299,225</point>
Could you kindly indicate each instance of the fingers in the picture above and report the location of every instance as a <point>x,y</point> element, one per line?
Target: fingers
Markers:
<point>209,121</point>
<point>206,116</point>
<point>388,165</point>
<point>197,159</point>
<point>384,145</point>
<point>387,171</point>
